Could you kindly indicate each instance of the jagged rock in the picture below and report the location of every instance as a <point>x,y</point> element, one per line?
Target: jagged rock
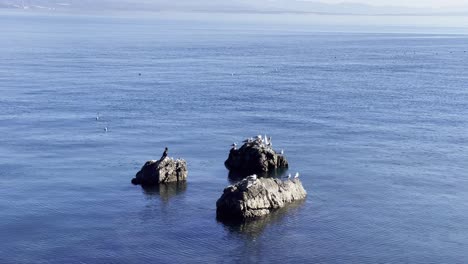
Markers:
<point>248,199</point>
<point>255,157</point>
<point>161,171</point>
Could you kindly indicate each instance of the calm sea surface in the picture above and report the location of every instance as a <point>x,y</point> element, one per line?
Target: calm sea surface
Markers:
<point>377,125</point>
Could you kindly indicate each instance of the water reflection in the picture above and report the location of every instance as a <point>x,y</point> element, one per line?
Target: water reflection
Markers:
<point>165,191</point>
<point>253,228</point>
<point>234,177</point>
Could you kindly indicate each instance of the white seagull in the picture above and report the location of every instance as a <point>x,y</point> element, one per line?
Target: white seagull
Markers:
<point>105,129</point>
<point>282,152</point>
<point>252,177</point>
<point>297,175</point>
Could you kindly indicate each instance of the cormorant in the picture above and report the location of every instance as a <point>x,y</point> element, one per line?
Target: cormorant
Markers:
<point>164,155</point>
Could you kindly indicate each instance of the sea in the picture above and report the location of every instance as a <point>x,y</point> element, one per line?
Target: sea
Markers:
<point>375,123</point>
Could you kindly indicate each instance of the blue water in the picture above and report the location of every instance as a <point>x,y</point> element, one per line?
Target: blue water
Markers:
<point>377,125</point>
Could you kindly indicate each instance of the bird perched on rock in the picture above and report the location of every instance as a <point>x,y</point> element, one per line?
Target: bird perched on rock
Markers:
<point>164,155</point>
<point>234,145</point>
<point>259,139</point>
<point>296,175</point>
<point>251,180</point>
<point>252,177</point>
<point>282,152</point>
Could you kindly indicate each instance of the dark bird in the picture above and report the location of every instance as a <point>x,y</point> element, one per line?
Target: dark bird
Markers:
<point>164,155</point>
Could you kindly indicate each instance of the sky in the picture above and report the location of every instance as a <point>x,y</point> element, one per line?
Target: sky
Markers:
<point>406,3</point>
<point>341,6</point>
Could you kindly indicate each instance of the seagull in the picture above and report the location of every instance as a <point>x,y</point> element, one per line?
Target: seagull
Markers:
<point>234,145</point>
<point>105,129</point>
<point>97,117</point>
<point>289,176</point>
<point>296,175</point>
<point>260,139</point>
<point>282,152</point>
<point>266,140</point>
<point>251,180</point>
<point>252,177</point>
<point>269,141</point>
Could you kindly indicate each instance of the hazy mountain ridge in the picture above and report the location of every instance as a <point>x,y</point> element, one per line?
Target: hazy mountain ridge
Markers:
<point>259,6</point>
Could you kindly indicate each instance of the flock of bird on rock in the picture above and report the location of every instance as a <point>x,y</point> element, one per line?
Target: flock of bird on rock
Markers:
<point>250,180</point>
<point>262,141</point>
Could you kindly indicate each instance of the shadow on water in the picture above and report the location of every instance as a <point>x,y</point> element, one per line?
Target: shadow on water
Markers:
<point>235,176</point>
<point>165,191</point>
<point>253,228</point>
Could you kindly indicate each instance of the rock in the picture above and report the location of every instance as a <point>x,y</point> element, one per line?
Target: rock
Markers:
<point>161,171</point>
<point>254,227</point>
<point>249,199</point>
<point>255,157</point>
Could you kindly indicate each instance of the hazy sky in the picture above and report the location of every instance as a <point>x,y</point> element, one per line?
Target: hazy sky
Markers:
<point>406,3</point>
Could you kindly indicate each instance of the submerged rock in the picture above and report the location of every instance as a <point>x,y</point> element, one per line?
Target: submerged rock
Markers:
<point>255,157</point>
<point>161,171</point>
<point>254,198</point>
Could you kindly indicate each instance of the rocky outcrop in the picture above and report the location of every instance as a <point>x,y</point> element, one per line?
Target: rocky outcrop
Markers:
<point>161,171</point>
<point>255,198</point>
<point>255,157</point>
<point>255,227</point>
